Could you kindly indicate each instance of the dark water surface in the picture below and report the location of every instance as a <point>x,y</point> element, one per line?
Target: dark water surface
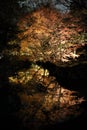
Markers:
<point>28,104</point>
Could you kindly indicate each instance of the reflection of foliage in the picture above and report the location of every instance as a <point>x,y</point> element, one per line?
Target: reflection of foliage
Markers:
<point>43,98</point>
<point>43,36</point>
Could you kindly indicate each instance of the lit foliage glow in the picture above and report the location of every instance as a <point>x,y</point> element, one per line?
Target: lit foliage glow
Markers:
<point>49,35</point>
<point>42,94</point>
<point>46,35</point>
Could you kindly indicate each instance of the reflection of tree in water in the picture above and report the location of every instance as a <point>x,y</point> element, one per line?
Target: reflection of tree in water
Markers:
<point>43,99</point>
<point>43,68</point>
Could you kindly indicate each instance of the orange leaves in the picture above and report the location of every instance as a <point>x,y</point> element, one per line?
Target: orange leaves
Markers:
<point>66,33</point>
<point>47,32</point>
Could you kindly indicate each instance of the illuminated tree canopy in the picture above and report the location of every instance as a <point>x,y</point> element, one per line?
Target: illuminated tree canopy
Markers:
<point>43,54</point>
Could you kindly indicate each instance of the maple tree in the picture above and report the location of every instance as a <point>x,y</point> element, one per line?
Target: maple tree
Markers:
<point>32,71</point>
<point>49,37</point>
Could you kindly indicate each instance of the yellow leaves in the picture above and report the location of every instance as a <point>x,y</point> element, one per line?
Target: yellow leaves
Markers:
<point>42,72</point>
<point>46,73</point>
<point>51,85</point>
<point>64,98</point>
<point>38,33</point>
<point>12,42</point>
<point>23,77</point>
<point>74,55</point>
<point>23,45</point>
<point>13,80</point>
<point>46,23</point>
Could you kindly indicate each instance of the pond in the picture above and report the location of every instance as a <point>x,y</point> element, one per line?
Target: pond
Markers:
<point>43,67</point>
